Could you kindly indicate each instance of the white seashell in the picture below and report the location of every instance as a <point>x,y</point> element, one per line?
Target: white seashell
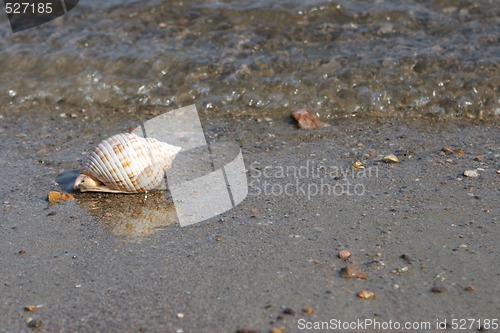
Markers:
<point>126,163</point>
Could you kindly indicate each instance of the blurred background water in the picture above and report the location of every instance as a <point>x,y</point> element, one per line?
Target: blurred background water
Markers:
<point>435,58</point>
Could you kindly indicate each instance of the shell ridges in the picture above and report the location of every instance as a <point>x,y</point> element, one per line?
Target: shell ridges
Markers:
<point>129,163</point>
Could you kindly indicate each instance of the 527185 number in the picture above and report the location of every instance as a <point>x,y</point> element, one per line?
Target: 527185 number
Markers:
<point>28,8</point>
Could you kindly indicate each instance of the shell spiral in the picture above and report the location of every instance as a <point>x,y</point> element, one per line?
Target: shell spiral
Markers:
<point>129,163</point>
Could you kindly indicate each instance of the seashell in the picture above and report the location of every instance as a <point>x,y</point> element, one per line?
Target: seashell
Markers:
<point>391,158</point>
<point>126,163</point>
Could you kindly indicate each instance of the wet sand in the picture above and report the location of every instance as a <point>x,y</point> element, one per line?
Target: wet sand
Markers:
<point>255,267</point>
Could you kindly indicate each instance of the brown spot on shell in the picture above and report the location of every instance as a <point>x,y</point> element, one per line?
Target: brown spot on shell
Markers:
<point>118,148</point>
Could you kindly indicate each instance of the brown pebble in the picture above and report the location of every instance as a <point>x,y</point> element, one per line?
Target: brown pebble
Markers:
<point>366,294</point>
<point>22,252</point>
<point>34,323</point>
<point>55,197</point>
<point>470,288</point>
<point>344,254</point>
<point>219,238</point>
<point>307,120</point>
<point>108,214</point>
<point>498,172</point>
<point>407,258</point>
<point>30,308</point>
<point>459,152</point>
<point>277,330</point>
<point>254,211</point>
<point>351,272</point>
<point>289,311</point>
<point>439,290</point>
<point>308,310</point>
<point>447,150</point>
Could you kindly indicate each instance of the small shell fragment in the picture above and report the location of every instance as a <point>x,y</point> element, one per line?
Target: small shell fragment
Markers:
<point>391,158</point>
<point>471,173</point>
<point>30,308</point>
<point>366,294</point>
<point>358,165</point>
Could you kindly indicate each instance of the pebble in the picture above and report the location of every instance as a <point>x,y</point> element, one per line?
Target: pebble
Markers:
<point>351,272</point>
<point>288,311</point>
<point>366,294</point>
<point>391,158</point>
<point>470,289</point>
<point>407,258</point>
<point>400,270</point>
<point>447,150</point>
<point>471,173</point>
<point>358,165</point>
<point>344,254</point>
<point>376,263</point>
<point>308,310</point>
<point>55,197</point>
<point>180,315</point>
<point>277,330</point>
<point>439,290</point>
<point>307,120</point>
<point>34,323</point>
<point>30,308</point>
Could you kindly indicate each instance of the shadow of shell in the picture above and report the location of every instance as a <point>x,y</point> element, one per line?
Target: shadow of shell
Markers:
<point>132,216</point>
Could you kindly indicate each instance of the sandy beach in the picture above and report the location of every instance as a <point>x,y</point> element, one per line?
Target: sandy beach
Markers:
<point>272,262</point>
<point>331,237</point>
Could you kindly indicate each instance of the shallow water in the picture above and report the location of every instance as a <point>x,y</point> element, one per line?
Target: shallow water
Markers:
<point>344,58</point>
